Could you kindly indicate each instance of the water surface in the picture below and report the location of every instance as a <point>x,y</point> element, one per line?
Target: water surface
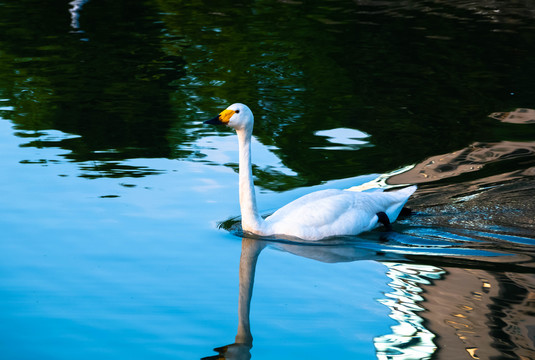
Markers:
<point>119,208</point>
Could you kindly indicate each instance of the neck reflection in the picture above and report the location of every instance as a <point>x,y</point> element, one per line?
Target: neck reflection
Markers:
<point>251,249</point>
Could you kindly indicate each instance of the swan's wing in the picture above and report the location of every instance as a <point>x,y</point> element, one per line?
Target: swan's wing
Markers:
<point>336,212</point>
<point>314,209</point>
<point>324,213</point>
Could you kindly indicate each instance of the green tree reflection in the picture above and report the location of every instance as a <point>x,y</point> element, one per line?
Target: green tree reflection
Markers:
<point>136,79</point>
<point>107,80</point>
<point>420,80</point>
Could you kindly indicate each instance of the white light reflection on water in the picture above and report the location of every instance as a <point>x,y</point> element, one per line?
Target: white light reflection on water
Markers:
<point>76,7</point>
<point>410,339</point>
<point>344,139</point>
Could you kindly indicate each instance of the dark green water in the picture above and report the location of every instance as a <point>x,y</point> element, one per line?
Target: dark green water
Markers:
<point>113,188</point>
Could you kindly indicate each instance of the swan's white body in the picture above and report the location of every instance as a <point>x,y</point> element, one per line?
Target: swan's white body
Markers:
<point>315,216</point>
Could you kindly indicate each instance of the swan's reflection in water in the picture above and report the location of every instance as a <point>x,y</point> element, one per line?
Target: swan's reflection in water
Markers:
<point>240,349</point>
<point>450,300</point>
<point>251,249</point>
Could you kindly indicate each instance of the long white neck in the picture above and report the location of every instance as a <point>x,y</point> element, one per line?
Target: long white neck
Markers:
<point>251,221</point>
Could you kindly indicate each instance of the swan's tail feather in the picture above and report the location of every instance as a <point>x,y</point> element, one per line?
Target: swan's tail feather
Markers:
<point>408,191</point>
<point>380,182</point>
<point>402,196</point>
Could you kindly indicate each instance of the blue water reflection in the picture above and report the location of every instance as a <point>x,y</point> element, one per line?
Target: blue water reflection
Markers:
<point>113,191</point>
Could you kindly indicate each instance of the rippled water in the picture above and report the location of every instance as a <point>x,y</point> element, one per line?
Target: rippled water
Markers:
<point>120,236</point>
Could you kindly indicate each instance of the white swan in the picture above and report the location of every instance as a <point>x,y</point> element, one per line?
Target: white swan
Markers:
<point>317,215</point>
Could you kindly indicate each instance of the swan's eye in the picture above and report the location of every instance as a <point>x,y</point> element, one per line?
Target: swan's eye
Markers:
<point>237,111</point>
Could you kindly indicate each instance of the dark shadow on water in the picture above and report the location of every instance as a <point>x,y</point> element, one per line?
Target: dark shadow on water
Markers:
<point>106,81</point>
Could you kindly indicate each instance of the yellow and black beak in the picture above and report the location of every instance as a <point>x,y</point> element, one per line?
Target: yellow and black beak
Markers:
<point>222,119</point>
<point>214,121</point>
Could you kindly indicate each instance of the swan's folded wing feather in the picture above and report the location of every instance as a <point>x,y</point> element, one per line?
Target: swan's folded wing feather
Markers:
<point>314,209</point>
<point>335,212</point>
<point>322,214</point>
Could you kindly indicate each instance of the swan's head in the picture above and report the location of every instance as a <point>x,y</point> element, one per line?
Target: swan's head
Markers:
<point>237,116</point>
